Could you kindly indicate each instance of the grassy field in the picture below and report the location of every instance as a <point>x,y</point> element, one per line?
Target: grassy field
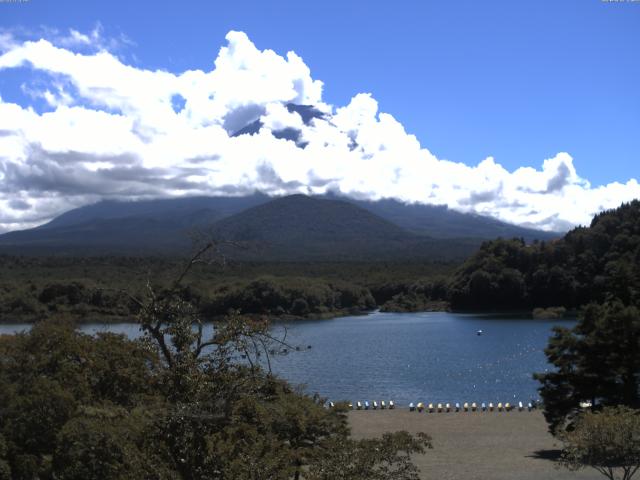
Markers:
<point>475,446</point>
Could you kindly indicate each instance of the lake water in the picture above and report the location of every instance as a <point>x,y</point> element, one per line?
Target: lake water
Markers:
<point>408,357</point>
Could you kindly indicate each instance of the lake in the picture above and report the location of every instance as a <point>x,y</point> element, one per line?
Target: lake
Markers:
<point>408,357</point>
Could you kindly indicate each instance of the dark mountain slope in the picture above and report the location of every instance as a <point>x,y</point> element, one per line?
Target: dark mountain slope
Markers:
<point>180,210</point>
<point>144,227</point>
<point>386,228</point>
<point>298,227</point>
<point>439,221</point>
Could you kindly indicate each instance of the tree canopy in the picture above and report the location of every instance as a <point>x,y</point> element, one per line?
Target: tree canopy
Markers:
<point>590,264</point>
<point>607,441</point>
<point>596,362</point>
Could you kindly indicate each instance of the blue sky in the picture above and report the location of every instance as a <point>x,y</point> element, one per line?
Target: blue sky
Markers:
<point>516,81</point>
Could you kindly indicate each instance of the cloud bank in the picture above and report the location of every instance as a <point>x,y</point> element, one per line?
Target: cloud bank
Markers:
<point>112,130</point>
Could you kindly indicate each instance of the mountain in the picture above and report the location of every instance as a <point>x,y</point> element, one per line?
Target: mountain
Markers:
<point>439,221</point>
<point>142,227</point>
<point>304,228</point>
<point>295,228</point>
<point>307,114</point>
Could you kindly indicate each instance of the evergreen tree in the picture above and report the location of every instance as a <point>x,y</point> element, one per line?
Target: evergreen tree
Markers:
<point>597,362</point>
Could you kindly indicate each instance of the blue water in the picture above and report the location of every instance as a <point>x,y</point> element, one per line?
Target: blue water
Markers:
<point>408,357</point>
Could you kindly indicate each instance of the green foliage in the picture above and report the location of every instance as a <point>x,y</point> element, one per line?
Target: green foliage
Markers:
<point>98,289</point>
<point>607,441</point>
<point>107,443</point>
<point>597,361</point>
<point>373,459</point>
<point>5,470</point>
<point>599,263</point>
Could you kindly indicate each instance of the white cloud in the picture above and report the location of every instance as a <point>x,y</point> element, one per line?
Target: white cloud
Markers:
<point>114,133</point>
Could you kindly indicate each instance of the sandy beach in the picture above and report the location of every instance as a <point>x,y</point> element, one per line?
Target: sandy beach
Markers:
<point>475,445</point>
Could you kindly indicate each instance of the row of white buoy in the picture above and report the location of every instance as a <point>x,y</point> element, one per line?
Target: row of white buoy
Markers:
<point>466,407</point>
<point>375,405</point>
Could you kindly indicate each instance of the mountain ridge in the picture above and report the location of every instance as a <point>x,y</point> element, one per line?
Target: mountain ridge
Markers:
<point>281,228</point>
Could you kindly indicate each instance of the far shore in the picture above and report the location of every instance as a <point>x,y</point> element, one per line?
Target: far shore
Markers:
<point>115,320</point>
<point>475,445</point>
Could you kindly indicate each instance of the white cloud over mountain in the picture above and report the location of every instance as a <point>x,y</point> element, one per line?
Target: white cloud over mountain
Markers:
<point>111,130</point>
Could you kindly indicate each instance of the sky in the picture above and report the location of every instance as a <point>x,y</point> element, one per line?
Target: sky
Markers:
<point>527,111</point>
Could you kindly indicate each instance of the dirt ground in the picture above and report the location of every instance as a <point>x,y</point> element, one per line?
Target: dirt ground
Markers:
<point>475,445</point>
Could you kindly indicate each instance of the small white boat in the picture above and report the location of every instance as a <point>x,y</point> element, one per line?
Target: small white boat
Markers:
<point>520,407</point>
<point>439,408</point>
<point>474,407</point>
<point>507,407</point>
<point>350,406</point>
<point>484,407</point>
<point>331,404</point>
<point>375,405</point>
<point>366,405</point>
<point>359,405</point>
<point>431,408</point>
<point>391,405</point>
<point>491,406</point>
<point>412,407</point>
<point>466,407</point>
<point>420,406</point>
<point>457,407</point>
<point>383,405</point>
<point>529,406</point>
<point>499,406</point>
<point>448,407</point>
<point>479,332</point>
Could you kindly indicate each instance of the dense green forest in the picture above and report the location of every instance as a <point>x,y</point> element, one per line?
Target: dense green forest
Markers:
<point>100,288</point>
<point>590,264</point>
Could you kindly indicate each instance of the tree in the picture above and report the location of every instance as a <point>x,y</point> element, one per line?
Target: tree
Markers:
<point>598,361</point>
<point>608,441</point>
<point>371,459</point>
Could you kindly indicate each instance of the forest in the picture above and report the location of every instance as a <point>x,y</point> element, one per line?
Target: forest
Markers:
<point>88,289</point>
<point>589,264</point>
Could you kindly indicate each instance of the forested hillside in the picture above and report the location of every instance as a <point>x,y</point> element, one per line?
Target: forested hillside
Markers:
<point>590,264</point>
